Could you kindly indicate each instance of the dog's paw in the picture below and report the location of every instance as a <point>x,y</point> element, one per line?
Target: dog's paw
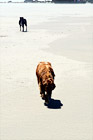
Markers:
<point>43,96</point>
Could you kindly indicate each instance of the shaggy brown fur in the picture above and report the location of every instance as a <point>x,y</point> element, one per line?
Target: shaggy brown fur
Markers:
<point>45,77</point>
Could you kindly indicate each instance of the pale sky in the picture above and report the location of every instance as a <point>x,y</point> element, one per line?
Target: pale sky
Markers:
<point>11,0</point>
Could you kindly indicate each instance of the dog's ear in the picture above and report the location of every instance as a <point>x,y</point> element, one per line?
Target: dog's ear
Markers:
<point>53,86</point>
<point>21,18</point>
<point>44,82</point>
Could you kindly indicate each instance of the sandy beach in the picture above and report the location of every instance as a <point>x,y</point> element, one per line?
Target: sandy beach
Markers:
<point>63,35</point>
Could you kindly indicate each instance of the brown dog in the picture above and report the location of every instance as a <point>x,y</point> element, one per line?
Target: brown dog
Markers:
<point>45,77</point>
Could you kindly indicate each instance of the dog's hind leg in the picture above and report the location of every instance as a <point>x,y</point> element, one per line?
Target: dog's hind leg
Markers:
<point>26,24</point>
<point>26,28</point>
<point>20,28</point>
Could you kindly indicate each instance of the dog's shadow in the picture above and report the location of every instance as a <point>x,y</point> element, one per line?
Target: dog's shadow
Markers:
<point>54,104</point>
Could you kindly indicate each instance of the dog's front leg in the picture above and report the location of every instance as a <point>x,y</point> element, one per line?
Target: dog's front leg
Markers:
<point>42,92</point>
<point>23,28</point>
<point>49,94</point>
<point>46,98</point>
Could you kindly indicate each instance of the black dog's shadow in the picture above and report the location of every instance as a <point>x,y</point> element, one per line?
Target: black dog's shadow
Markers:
<point>54,104</point>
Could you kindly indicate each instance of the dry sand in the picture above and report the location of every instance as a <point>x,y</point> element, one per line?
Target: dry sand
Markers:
<point>63,35</point>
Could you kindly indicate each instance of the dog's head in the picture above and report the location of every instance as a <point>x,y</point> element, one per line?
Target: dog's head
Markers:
<point>21,18</point>
<point>49,84</point>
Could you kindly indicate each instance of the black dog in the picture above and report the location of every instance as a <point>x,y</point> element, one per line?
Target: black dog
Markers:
<point>23,22</point>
